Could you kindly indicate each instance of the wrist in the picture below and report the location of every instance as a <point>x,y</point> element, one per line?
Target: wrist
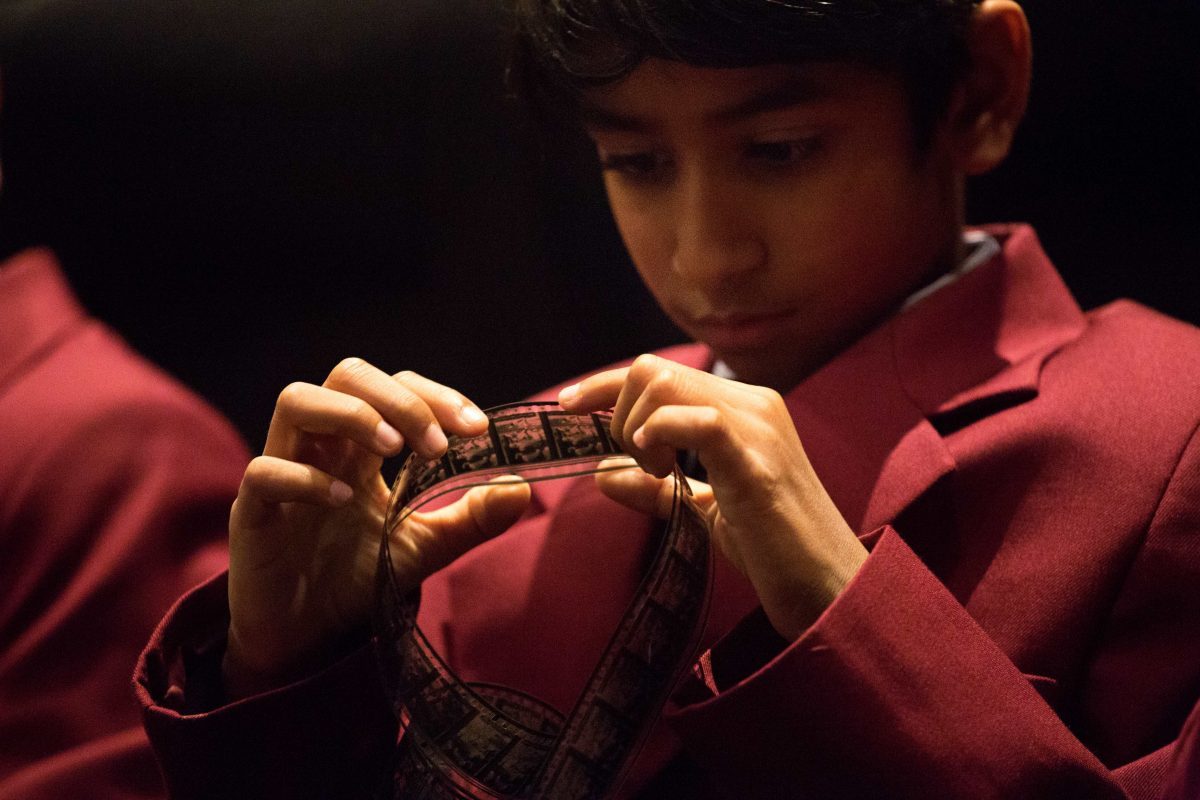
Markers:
<point>243,676</point>
<point>794,606</point>
<point>240,676</point>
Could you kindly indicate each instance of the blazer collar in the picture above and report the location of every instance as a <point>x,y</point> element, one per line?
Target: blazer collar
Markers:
<point>987,335</point>
<point>37,308</point>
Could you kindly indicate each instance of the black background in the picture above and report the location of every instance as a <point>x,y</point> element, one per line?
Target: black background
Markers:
<point>250,191</point>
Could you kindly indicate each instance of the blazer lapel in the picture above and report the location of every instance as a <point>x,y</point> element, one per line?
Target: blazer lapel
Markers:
<point>870,445</point>
<point>981,343</point>
<point>872,420</point>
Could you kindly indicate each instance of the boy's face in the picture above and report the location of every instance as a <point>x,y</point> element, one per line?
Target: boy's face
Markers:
<point>778,212</point>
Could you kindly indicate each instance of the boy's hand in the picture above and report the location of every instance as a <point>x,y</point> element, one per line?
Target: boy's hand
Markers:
<point>770,514</point>
<point>304,530</point>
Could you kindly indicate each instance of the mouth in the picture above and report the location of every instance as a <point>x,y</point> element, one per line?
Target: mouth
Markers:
<point>743,330</point>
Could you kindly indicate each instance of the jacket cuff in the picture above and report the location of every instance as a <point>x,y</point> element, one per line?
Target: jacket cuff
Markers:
<point>895,691</point>
<point>329,735</point>
<point>746,648</point>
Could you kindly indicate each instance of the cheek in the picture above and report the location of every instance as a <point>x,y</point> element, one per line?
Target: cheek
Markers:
<point>646,236</point>
<point>912,216</point>
<point>874,214</point>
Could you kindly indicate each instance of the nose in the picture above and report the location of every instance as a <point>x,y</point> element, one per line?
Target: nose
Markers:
<point>716,242</point>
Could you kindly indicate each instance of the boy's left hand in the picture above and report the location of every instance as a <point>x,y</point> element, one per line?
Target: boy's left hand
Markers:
<point>769,513</point>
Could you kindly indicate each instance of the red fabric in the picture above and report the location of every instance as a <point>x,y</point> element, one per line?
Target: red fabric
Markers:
<point>1026,477</point>
<point>115,485</point>
<point>1184,782</point>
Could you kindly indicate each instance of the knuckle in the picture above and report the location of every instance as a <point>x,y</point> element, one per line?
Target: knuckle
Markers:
<point>710,426</point>
<point>410,405</point>
<point>292,395</point>
<point>662,382</point>
<point>350,369</point>
<point>357,412</point>
<point>258,472</point>
<point>358,408</point>
<point>405,375</point>
<point>644,364</point>
<point>761,402</point>
<point>774,399</point>
<point>712,417</point>
<point>758,401</point>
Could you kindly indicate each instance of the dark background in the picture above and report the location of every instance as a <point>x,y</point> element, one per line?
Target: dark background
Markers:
<point>251,190</point>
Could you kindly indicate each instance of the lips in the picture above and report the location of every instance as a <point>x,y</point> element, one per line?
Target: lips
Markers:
<point>743,330</point>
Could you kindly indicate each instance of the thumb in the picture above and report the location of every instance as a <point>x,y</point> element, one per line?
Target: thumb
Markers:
<point>427,542</point>
<point>493,508</point>
<point>641,491</point>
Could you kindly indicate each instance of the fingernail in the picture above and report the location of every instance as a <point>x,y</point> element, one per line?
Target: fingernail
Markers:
<point>568,395</point>
<point>340,492</point>
<point>388,437</point>
<point>433,440</point>
<point>472,415</point>
<point>639,438</point>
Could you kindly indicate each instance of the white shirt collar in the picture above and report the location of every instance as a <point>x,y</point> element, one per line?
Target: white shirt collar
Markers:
<point>981,248</point>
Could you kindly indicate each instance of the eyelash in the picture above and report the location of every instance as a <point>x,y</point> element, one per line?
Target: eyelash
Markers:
<point>636,166</point>
<point>793,151</point>
<point>650,165</point>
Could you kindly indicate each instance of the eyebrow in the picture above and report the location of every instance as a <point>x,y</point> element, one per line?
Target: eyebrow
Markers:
<point>789,94</point>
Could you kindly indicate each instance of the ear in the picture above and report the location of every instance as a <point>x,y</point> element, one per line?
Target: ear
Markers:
<point>991,97</point>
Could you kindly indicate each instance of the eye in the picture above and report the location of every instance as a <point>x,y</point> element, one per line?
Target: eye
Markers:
<point>783,153</point>
<point>641,166</point>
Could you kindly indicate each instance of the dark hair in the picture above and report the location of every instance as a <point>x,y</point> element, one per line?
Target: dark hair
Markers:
<point>563,47</point>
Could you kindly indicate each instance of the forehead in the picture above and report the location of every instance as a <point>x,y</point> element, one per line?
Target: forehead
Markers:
<point>660,93</point>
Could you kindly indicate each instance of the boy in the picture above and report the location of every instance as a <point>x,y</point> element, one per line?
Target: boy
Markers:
<point>956,515</point>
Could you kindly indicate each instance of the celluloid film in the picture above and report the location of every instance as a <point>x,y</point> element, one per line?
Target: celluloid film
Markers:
<point>476,741</point>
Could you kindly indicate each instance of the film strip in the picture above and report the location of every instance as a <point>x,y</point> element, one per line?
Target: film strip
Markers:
<point>476,741</point>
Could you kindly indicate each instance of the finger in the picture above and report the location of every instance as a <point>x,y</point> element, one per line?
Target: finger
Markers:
<point>452,409</point>
<point>495,507</point>
<point>401,405</point>
<point>269,481</point>
<point>658,459</point>
<point>638,490</point>
<point>652,383</point>
<point>643,492</point>
<point>644,370</point>
<point>594,393</point>
<point>618,389</point>
<point>305,408</point>
<point>699,428</point>
<point>428,542</point>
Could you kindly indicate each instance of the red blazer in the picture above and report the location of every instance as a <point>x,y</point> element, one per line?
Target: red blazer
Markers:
<point>1184,780</point>
<point>1027,479</point>
<point>115,485</point>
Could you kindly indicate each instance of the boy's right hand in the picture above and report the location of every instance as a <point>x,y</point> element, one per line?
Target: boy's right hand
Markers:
<point>304,530</point>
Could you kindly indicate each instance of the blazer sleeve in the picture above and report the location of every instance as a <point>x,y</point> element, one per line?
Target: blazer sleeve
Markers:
<point>897,692</point>
<point>329,735</point>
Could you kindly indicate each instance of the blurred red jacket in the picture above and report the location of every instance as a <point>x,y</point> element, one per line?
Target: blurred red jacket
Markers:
<point>115,486</point>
